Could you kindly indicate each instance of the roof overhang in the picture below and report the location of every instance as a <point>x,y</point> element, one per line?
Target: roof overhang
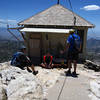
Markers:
<point>45,30</point>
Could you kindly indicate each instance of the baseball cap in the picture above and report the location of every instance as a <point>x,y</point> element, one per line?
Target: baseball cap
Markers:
<point>22,47</point>
<point>72,31</point>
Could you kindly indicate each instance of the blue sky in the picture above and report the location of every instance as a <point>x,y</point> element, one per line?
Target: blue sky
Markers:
<point>13,11</point>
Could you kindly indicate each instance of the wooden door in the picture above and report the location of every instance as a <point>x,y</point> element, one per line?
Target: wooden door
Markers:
<point>34,47</point>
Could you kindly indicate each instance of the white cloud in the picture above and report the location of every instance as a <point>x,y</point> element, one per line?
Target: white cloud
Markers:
<point>7,21</point>
<point>12,21</point>
<point>91,7</point>
<point>3,22</point>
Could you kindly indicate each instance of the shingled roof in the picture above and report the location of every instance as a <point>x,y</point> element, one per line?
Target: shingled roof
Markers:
<point>56,15</point>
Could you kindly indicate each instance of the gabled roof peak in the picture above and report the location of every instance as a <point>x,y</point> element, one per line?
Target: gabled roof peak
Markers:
<point>56,15</point>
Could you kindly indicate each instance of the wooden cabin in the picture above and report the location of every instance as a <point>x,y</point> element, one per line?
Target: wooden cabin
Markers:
<point>49,29</point>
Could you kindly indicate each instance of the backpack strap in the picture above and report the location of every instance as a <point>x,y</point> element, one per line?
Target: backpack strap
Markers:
<point>74,41</point>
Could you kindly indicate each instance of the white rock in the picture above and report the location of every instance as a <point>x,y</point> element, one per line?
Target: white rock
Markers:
<point>11,73</point>
<point>93,97</point>
<point>4,65</point>
<point>47,77</point>
<point>20,85</point>
<point>2,92</point>
<point>24,88</point>
<point>95,89</point>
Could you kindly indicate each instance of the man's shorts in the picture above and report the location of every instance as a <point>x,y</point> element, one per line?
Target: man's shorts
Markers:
<point>25,64</point>
<point>73,56</point>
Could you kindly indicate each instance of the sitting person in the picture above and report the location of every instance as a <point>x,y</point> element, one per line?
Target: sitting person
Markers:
<point>21,60</point>
<point>47,61</point>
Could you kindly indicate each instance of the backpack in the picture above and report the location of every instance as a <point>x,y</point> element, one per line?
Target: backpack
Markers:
<point>77,43</point>
<point>18,58</point>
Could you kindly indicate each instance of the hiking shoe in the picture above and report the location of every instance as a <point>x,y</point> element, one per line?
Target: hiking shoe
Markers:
<point>74,74</point>
<point>68,73</point>
<point>35,72</point>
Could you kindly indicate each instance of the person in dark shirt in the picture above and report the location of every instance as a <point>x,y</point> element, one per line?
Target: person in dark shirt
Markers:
<point>47,61</point>
<point>21,60</point>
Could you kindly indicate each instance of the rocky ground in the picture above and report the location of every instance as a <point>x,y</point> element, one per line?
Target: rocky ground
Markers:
<point>94,78</point>
<point>17,84</point>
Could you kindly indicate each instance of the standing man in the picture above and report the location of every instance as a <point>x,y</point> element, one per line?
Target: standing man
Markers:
<point>21,60</point>
<point>73,47</point>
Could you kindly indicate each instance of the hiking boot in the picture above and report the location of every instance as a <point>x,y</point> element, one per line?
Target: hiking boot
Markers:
<point>35,72</point>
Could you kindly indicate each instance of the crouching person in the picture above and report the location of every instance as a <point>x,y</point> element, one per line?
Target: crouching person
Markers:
<point>47,61</point>
<point>21,60</point>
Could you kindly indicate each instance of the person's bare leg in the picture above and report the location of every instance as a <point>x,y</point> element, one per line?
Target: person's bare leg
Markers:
<point>52,65</point>
<point>75,65</point>
<point>28,69</point>
<point>43,65</point>
<point>32,67</point>
<point>69,65</point>
<point>34,72</point>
